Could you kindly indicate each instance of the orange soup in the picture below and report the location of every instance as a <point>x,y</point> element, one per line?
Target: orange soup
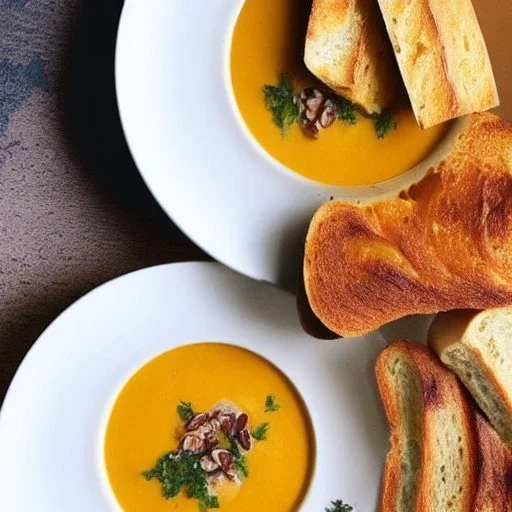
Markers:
<point>268,40</point>
<point>145,423</point>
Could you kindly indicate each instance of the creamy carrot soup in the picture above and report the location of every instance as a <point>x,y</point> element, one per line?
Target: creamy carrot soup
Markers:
<point>268,40</point>
<point>219,415</point>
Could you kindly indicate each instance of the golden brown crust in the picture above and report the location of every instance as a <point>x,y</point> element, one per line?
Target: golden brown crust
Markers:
<point>442,57</point>
<point>495,471</point>
<point>347,48</point>
<point>444,244</point>
<point>440,390</point>
<point>392,470</point>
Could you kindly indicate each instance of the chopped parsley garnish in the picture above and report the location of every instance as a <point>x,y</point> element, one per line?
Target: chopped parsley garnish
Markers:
<point>271,404</point>
<point>260,432</point>
<point>280,100</point>
<point>339,506</point>
<point>185,411</point>
<point>345,109</point>
<point>240,461</point>
<point>175,472</point>
<point>384,122</point>
<point>288,107</point>
<point>241,468</point>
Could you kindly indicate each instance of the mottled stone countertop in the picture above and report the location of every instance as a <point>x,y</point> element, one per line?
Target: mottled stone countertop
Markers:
<point>74,212</point>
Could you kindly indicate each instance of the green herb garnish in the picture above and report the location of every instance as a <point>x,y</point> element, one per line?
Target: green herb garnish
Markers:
<point>384,122</point>
<point>280,100</point>
<point>345,109</point>
<point>183,471</point>
<point>270,404</point>
<point>339,506</point>
<point>240,462</point>
<point>185,411</point>
<point>241,468</point>
<point>260,432</point>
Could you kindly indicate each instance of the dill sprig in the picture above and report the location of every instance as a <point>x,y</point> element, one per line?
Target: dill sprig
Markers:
<point>345,109</point>
<point>271,404</point>
<point>339,506</point>
<point>240,462</point>
<point>383,122</point>
<point>280,100</point>
<point>260,432</point>
<point>185,411</point>
<point>178,471</point>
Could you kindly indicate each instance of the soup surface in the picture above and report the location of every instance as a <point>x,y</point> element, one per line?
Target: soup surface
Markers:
<point>268,40</point>
<point>144,422</point>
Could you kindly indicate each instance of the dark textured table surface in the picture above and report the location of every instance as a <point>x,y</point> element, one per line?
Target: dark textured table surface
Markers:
<point>74,212</point>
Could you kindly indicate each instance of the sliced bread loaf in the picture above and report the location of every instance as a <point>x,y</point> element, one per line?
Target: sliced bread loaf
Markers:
<point>432,462</point>
<point>442,57</point>
<point>348,49</point>
<point>477,346</point>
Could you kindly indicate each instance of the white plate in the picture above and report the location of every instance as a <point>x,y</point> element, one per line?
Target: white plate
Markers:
<point>53,418</point>
<point>194,151</point>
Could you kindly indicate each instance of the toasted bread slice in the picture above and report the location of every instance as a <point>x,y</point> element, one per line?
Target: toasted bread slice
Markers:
<point>444,244</point>
<point>348,49</point>
<point>431,465</point>
<point>477,346</point>
<point>494,486</point>
<point>442,57</point>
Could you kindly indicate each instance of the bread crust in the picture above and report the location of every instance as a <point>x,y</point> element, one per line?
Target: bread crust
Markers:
<point>442,56</point>
<point>444,244</point>
<point>495,470</point>
<point>440,391</point>
<point>347,48</point>
<point>392,471</point>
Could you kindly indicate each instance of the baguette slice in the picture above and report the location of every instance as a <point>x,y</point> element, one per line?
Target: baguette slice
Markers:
<point>431,465</point>
<point>442,57</point>
<point>347,48</point>
<point>446,243</point>
<point>477,346</point>
<point>494,488</point>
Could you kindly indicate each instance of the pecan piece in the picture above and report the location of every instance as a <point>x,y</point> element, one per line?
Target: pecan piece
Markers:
<point>215,424</point>
<point>208,435</point>
<point>193,443</point>
<point>227,423</point>
<point>328,116</point>
<point>208,465</point>
<point>241,422</point>
<point>223,458</point>
<point>244,438</point>
<point>197,421</point>
<point>312,99</point>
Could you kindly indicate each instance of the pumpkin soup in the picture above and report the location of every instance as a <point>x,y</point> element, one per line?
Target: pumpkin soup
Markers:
<point>205,426</point>
<point>284,106</point>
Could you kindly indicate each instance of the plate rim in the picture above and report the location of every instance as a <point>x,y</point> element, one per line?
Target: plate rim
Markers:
<point>205,272</point>
<point>259,268</point>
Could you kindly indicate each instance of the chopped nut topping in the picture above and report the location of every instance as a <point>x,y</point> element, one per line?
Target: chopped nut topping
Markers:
<point>203,436</point>
<point>197,421</point>
<point>241,422</point>
<point>193,443</point>
<point>223,458</point>
<point>208,465</point>
<point>244,438</point>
